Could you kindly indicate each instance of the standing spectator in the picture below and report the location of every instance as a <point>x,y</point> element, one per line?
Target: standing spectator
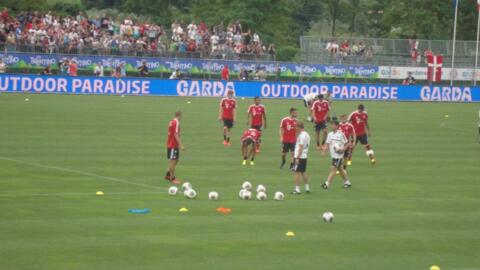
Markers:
<point>3,66</point>
<point>243,75</point>
<point>271,51</point>
<point>410,80</point>
<point>143,69</point>
<point>123,70</point>
<point>414,56</point>
<point>73,68</point>
<point>225,73</point>
<point>117,72</point>
<point>98,71</point>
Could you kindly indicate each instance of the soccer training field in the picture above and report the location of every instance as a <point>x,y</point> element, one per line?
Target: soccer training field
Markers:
<point>417,207</point>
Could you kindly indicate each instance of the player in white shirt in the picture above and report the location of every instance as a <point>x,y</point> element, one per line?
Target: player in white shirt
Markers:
<point>301,154</point>
<point>337,143</point>
<point>308,100</point>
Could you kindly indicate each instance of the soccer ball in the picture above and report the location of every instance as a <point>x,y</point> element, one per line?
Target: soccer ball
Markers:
<point>190,193</point>
<point>246,195</point>
<point>261,196</point>
<point>213,196</point>
<point>279,196</point>
<point>186,186</point>
<point>338,148</point>
<point>172,191</point>
<point>328,217</point>
<point>240,193</point>
<point>247,185</point>
<point>261,188</point>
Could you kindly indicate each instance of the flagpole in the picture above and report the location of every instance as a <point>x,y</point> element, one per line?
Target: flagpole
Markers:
<point>452,69</point>
<point>476,49</point>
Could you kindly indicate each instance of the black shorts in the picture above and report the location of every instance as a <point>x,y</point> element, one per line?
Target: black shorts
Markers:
<point>259,128</point>
<point>320,126</point>
<point>286,147</point>
<point>337,162</point>
<point>301,167</point>
<point>173,153</point>
<point>363,139</point>
<point>249,141</point>
<point>228,123</point>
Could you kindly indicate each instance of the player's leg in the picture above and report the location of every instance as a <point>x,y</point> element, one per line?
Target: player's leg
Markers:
<point>333,170</point>
<point>244,148</point>
<point>346,180</point>
<point>306,181</point>
<point>317,135</point>
<point>297,176</point>
<point>324,134</point>
<point>368,149</point>
<point>284,155</point>
<point>292,155</point>
<point>253,152</point>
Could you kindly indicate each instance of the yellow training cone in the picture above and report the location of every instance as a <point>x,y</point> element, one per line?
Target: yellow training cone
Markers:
<point>100,193</point>
<point>446,116</point>
<point>290,234</point>
<point>434,267</point>
<point>183,210</point>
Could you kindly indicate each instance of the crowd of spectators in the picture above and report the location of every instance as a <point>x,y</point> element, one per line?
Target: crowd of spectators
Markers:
<point>50,33</point>
<point>346,49</point>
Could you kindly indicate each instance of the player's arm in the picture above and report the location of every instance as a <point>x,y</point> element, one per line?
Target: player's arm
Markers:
<point>234,114</point>
<point>264,120</point>
<point>280,131</point>
<point>248,117</point>
<point>369,133</point>
<point>311,113</point>
<point>179,141</point>
<point>220,112</point>
<point>354,137</point>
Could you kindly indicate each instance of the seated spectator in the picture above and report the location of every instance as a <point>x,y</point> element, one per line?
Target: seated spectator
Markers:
<point>98,71</point>
<point>3,66</point>
<point>47,71</point>
<point>175,75</point>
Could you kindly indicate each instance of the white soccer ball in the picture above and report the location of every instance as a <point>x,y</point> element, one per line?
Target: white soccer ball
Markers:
<point>261,188</point>
<point>261,196</point>
<point>338,148</point>
<point>328,217</point>
<point>279,196</point>
<point>246,195</point>
<point>240,193</point>
<point>213,196</point>
<point>190,193</point>
<point>247,185</point>
<point>172,191</point>
<point>186,186</point>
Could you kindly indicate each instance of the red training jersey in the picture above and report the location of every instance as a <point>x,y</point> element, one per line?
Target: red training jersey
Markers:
<point>320,109</point>
<point>252,134</point>
<point>359,121</point>
<point>228,106</point>
<point>173,129</point>
<point>289,126</point>
<point>257,112</point>
<point>347,129</point>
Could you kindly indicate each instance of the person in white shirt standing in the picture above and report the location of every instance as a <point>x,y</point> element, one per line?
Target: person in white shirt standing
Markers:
<point>308,100</point>
<point>337,143</point>
<point>301,154</point>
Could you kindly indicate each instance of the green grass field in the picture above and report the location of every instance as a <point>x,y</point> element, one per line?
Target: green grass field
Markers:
<point>417,207</point>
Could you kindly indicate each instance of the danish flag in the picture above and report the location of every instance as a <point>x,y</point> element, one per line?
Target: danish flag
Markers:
<point>435,63</point>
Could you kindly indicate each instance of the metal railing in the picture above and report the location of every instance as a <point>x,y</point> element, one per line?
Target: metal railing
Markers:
<point>386,51</point>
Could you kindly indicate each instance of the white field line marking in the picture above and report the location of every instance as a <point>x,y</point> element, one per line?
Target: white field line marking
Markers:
<point>60,194</point>
<point>113,179</point>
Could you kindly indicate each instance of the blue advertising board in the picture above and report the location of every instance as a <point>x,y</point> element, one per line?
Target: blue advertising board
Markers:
<point>206,88</point>
<point>193,66</point>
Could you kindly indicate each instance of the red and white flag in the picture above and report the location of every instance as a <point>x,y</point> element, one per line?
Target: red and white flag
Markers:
<point>434,71</point>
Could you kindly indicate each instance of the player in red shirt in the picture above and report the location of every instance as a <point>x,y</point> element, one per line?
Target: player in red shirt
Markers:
<point>359,120</point>
<point>227,113</point>
<point>288,136</point>
<point>320,111</point>
<point>174,145</point>
<point>349,131</point>
<point>225,73</point>
<point>257,118</point>
<point>250,137</point>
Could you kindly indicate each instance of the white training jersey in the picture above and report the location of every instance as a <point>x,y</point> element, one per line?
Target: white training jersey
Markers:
<point>336,138</point>
<point>310,97</point>
<point>302,139</point>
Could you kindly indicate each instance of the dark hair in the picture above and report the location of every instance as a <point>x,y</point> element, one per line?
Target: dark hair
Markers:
<point>361,107</point>
<point>292,110</point>
<point>320,96</point>
<point>256,97</point>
